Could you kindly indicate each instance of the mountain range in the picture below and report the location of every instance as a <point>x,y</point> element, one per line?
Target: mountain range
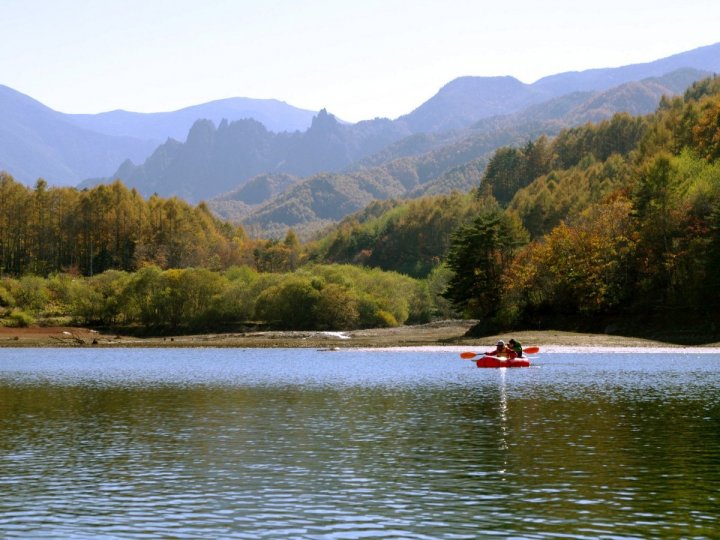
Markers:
<point>37,142</point>
<point>433,164</point>
<point>223,158</point>
<point>304,167</point>
<point>64,149</point>
<point>275,115</point>
<point>466,100</point>
<point>216,159</point>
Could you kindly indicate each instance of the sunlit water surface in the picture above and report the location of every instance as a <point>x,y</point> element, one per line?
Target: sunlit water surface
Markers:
<point>222,443</point>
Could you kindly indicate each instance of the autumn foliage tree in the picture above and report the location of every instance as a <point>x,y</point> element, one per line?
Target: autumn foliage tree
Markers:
<point>584,266</point>
<point>45,230</point>
<point>624,223</point>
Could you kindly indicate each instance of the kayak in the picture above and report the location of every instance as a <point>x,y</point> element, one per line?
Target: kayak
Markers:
<point>495,362</point>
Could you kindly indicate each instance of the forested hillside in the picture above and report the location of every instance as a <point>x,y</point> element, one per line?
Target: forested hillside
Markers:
<point>107,256</point>
<point>413,236</point>
<point>590,229</point>
<point>218,159</point>
<point>622,218</point>
<point>434,164</point>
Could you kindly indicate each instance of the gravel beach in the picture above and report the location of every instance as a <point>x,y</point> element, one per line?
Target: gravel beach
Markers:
<point>445,334</point>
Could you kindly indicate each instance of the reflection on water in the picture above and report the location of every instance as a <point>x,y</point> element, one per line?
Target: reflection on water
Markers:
<point>301,444</point>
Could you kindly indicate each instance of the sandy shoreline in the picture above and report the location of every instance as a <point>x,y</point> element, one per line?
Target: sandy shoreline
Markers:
<point>442,335</point>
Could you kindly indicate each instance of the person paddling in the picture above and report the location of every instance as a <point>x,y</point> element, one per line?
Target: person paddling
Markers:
<point>502,350</point>
<point>516,347</point>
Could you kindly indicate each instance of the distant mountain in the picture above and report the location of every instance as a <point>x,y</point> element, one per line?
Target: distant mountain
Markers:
<point>576,108</point>
<point>466,100</point>
<point>64,149</point>
<point>636,98</point>
<point>37,142</point>
<point>456,165</point>
<point>320,200</point>
<point>275,115</point>
<point>703,58</point>
<point>216,160</point>
<point>268,136</point>
<point>261,188</point>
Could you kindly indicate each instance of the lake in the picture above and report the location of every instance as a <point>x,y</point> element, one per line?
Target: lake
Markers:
<point>298,443</point>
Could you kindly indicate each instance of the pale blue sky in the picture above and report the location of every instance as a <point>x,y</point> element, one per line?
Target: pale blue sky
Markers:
<point>359,59</point>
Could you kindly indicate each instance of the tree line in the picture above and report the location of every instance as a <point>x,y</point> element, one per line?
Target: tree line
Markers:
<point>606,223</point>
<point>107,256</point>
<point>325,297</point>
<point>47,230</point>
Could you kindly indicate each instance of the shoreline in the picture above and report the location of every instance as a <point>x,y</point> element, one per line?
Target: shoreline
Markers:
<point>440,335</point>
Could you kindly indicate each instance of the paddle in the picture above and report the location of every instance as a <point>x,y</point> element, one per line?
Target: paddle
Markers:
<point>528,350</point>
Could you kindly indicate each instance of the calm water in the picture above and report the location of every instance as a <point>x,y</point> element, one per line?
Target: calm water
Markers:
<point>220,443</point>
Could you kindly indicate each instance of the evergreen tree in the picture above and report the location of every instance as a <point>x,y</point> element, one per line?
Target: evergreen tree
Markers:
<point>479,254</point>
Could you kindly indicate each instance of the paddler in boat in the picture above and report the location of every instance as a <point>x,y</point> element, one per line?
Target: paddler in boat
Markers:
<point>516,347</point>
<point>502,350</point>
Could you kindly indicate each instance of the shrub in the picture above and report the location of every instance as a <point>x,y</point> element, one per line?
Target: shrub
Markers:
<point>6,299</point>
<point>337,308</point>
<point>289,305</point>
<point>385,319</point>
<point>21,319</point>
<point>32,293</point>
<point>372,315</point>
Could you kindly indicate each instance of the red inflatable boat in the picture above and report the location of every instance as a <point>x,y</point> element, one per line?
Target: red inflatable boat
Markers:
<point>495,362</point>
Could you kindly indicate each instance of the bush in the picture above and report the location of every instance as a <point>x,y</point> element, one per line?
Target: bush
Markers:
<point>337,308</point>
<point>32,293</point>
<point>6,299</point>
<point>385,319</point>
<point>372,315</point>
<point>86,304</point>
<point>60,287</point>
<point>290,305</point>
<point>20,319</point>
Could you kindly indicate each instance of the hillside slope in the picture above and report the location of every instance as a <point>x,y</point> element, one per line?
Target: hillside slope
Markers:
<point>275,115</point>
<point>37,142</point>
<point>467,100</point>
<point>215,160</point>
<point>454,166</point>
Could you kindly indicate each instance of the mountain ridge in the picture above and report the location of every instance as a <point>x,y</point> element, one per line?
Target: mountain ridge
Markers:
<point>60,147</point>
<point>705,58</point>
<point>37,142</point>
<point>214,160</point>
<point>441,112</point>
<point>455,166</point>
<point>467,99</point>
<point>275,115</point>
<point>65,149</point>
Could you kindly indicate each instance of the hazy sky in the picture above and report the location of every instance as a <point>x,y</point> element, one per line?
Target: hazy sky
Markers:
<point>357,58</point>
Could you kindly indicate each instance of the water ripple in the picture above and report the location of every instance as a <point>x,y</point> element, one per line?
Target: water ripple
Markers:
<point>297,444</point>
